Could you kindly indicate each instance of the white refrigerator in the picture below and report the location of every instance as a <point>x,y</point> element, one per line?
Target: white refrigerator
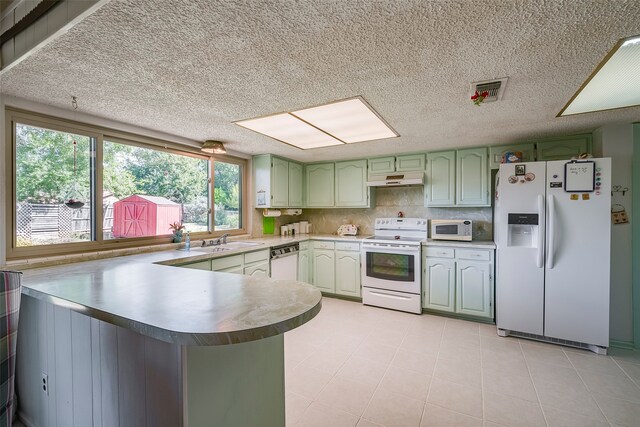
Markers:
<point>552,225</point>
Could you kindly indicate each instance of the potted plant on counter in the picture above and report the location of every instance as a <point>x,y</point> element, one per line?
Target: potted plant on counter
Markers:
<point>177,231</point>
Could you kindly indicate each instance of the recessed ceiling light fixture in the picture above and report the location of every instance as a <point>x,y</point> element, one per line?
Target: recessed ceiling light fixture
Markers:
<point>337,123</point>
<point>615,83</point>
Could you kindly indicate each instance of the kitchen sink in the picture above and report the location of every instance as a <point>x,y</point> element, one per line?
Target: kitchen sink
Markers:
<point>241,244</point>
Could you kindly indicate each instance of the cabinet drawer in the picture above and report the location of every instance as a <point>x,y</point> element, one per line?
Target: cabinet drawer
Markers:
<point>474,254</point>
<point>226,262</point>
<point>304,245</point>
<point>323,244</point>
<point>256,256</point>
<point>347,246</point>
<point>439,252</point>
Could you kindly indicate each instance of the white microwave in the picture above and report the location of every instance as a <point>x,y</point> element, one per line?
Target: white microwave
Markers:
<point>451,229</point>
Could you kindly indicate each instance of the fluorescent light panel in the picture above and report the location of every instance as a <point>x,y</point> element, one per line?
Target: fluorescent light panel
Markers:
<point>341,122</point>
<point>286,128</point>
<point>350,121</point>
<point>615,85</point>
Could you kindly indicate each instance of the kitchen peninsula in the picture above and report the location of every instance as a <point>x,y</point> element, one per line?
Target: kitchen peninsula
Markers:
<point>128,341</point>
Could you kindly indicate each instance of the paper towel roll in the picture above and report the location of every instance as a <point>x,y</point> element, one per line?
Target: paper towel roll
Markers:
<point>271,212</point>
<point>292,211</point>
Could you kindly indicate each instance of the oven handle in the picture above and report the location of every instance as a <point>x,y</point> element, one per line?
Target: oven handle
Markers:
<point>411,249</point>
<point>383,294</point>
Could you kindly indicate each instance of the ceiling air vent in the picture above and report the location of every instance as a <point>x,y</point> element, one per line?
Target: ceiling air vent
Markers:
<point>494,87</point>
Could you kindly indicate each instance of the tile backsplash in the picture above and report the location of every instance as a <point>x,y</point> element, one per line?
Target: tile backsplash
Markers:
<point>389,201</point>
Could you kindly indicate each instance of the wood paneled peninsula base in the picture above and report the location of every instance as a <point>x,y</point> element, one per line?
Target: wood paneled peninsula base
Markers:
<point>127,342</point>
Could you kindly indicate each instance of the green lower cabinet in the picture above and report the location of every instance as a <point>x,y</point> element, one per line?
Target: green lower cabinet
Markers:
<point>440,284</point>
<point>201,265</point>
<point>454,285</point>
<point>473,288</point>
<point>257,270</point>
<point>324,270</point>
<point>235,270</point>
<point>348,273</point>
<point>304,262</point>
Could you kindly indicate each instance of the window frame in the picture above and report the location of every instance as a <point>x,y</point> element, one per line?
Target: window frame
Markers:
<point>14,116</point>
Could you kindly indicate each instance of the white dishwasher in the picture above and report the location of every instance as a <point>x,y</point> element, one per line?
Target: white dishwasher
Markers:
<point>284,261</point>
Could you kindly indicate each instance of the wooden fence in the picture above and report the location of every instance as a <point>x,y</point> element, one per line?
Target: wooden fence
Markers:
<point>57,221</point>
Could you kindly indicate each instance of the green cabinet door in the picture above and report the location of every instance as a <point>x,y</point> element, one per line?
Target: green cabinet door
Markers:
<point>296,199</point>
<point>472,177</point>
<point>234,270</point>
<point>200,265</point>
<point>257,270</point>
<point>563,148</point>
<point>351,184</point>
<point>410,163</point>
<point>320,185</point>
<point>382,165</point>
<point>348,273</point>
<point>439,284</point>
<point>304,262</point>
<point>473,288</point>
<point>279,182</point>
<point>440,188</point>
<point>324,270</point>
<point>495,153</point>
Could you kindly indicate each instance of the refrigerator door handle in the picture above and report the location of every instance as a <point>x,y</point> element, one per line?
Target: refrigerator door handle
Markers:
<point>540,255</point>
<point>552,232</point>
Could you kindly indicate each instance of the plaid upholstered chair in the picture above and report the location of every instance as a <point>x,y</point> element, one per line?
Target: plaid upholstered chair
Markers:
<point>10,288</point>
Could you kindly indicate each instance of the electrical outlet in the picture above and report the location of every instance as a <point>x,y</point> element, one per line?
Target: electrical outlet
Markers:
<point>45,384</point>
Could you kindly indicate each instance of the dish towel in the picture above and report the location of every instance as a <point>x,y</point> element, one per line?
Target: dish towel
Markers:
<point>10,289</point>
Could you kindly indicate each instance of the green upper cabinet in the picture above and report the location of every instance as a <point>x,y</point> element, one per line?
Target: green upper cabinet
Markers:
<point>410,163</point>
<point>457,178</point>
<point>563,148</point>
<point>495,153</point>
<point>320,185</point>
<point>440,187</point>
<point>381,165</point>
<point>472,183</point>
<point>296,180</point>
<point>403,163</point>
<point>351,184</point>
<point>278,183</point>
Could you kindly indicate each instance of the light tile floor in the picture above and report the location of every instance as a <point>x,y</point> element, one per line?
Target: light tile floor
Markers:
<point>362,366</point>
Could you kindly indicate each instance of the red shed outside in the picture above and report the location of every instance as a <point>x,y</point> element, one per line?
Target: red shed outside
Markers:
<point>140,215</point>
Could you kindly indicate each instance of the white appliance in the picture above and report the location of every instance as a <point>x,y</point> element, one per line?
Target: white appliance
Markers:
<point>284,262</point>
<point>452,229</point>
<point>396,179</point>
<point>553,231</point>
<point>391,265</point>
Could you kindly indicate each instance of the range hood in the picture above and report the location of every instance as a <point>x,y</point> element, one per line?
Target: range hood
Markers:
<point>396,179</point>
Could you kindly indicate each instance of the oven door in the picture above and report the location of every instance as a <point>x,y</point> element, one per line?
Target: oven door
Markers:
<point>392,267</point>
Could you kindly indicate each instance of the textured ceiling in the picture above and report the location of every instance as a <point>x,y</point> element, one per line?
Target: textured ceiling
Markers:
<point>192,68</point>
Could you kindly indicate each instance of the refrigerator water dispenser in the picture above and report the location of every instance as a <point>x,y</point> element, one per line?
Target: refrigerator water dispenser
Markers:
<point>523,230</point>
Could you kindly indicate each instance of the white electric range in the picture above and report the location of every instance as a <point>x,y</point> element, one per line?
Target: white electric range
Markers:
<point>391,273</point>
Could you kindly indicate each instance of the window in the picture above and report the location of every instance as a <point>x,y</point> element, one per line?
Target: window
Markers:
<point>227,195</point>
<point>75,187</point>
<point>145,190</point>
<point>53,186</point>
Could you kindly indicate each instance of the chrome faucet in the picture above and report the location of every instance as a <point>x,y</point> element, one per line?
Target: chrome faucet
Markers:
<point>220,240</point>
